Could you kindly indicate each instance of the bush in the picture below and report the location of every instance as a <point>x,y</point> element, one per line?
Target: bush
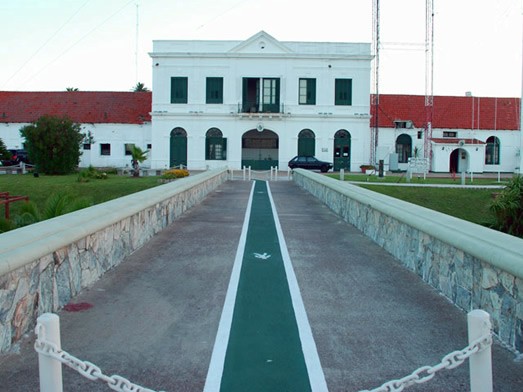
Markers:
<point>173,174</point>
<point>91,173</point>
<point>53,143</point>
<point>508,208</point>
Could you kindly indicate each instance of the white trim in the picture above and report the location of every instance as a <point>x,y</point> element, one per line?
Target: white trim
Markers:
<point>310,352</point>
<point>216,365</point>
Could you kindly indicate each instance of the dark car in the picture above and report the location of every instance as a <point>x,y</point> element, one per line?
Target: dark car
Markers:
<point>17,156</point>
<point>310,163</point>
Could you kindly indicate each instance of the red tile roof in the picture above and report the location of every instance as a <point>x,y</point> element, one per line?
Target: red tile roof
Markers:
<point>450,112</point>
<point>80,106</point>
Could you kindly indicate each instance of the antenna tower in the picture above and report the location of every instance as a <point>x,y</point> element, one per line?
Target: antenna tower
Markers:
<point>376,96</point>
<point>429,78</point>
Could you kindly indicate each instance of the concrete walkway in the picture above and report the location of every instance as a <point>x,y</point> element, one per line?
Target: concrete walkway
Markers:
<point>154,318</point>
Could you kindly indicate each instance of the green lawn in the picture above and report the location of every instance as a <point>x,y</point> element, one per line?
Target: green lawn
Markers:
<point>401,179</point>
<point>468,204</point>
<point>96,190</point>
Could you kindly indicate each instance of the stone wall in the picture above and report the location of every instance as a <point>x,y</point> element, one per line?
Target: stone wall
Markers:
<point>42,266</point>
<point>473,266</point>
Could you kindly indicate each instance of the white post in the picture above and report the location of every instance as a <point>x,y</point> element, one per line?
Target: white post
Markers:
<point>471,177</point>
<point>249,169</point>
<point>463,177</point>
<point>499,176</point>
<point>481,362</point>
<point>342,175</point>
<point>50,370</point>
<point>244,173</point>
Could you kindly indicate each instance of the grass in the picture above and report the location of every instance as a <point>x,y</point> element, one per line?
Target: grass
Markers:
<point>468,204</point>
<point>401,179</point>
<point>96,190</point>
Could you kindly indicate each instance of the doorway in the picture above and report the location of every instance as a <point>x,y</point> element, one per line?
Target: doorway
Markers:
<point>178,148</point>
<point>342,144</point>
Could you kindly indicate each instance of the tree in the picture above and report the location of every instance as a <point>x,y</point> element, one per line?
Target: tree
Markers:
<point>71,89</point>
<point>508,208</point>
<point>137,156</point>
<point>4,153</point>
<point>53,143</point>
<point>140,87</point>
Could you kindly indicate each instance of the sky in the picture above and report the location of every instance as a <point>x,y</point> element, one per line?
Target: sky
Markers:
<point>103,45</point>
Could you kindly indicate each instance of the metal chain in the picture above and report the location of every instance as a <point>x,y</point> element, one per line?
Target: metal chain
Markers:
<point>85,368</point>
<point>426,373</point>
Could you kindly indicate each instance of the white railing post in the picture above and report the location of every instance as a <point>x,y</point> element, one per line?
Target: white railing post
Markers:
<point>342,175</point>
<point>481,362</point>
<point>50,370</point>
<point>249,170</point>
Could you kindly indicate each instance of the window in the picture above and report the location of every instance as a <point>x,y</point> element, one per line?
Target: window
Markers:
<point>178,90</point>
<point>343,92</point>
<point>492,151</point>
<point>149,146</point>
<point>261,95</point>
<point>87,146</point>
<point>449,134</point>
<point>307,92</point>
<point>420,134</point>
<point>214,90</point>
<point>215,145</point>
<point>129,148</point>
<point>105,149</point>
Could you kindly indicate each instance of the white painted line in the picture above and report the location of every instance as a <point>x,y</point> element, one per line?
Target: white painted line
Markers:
<point>215,372</point>
<point>310,352</point>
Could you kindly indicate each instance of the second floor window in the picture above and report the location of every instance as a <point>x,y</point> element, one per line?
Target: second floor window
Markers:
<point>214,90</point>
<point>179,90</point>
<point>343,92</point>
<point>307,92</point>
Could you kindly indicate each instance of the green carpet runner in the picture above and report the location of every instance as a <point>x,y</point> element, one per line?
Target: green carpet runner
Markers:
<point>264,351</point>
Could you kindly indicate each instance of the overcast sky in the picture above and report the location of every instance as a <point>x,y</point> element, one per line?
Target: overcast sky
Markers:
<point>49,45</point>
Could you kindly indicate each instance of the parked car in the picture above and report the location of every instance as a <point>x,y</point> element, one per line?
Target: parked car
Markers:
<point>311,163</point>
<point>17,156</point>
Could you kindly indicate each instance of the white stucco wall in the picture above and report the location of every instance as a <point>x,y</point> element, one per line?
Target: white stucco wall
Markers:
<point>234,60</point>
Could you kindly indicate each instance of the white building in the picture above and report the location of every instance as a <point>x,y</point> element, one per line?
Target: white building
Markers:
<point>472,134</point>
<point>259,103</point>
<point>115,120</point>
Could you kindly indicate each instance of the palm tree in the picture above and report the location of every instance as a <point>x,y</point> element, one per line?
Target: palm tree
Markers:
<point>71,89</point>
<point>140,87</point>
<point>138,156</point>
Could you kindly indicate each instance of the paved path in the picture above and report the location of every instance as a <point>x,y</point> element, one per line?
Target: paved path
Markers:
<point>155,318</point>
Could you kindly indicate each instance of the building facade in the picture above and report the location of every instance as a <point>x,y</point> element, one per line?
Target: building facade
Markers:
<point>259,103</point>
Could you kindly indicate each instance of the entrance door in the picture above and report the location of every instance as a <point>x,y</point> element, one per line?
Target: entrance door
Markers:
<point>342,151</point>
<point>178,148</point>
<point>306,143</point>
<point>458,161</point>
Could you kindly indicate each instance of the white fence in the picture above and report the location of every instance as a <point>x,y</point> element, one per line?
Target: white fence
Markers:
<point>51,357</point>
<point>247,174</point>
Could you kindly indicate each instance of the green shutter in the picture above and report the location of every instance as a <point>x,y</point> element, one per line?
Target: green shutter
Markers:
<point>179,90</point>
<point>343,92</point>
<point>214,91</point>
<point>311,92</point>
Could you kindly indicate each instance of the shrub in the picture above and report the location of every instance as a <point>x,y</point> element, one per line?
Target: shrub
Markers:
<point>173,174</point>
<point>508,208</point>
<point>91,173</point>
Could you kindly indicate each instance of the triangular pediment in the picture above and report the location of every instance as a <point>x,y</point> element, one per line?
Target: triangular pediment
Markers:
<point>261,43</point>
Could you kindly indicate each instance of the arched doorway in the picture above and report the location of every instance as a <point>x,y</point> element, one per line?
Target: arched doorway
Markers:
<point>260,149</point>
<point>215,145</point>
<point>404,148</point>
<point>306,143</point>
<point>178,147</point>
<point>492,151</point>
<point>342,152</point>
<point>458,161</point>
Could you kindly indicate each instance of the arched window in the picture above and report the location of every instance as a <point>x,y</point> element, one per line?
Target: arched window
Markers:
<point>404,148</point>
<point>492,151</point>
<point>215,145</point>
<point>306,143</point>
